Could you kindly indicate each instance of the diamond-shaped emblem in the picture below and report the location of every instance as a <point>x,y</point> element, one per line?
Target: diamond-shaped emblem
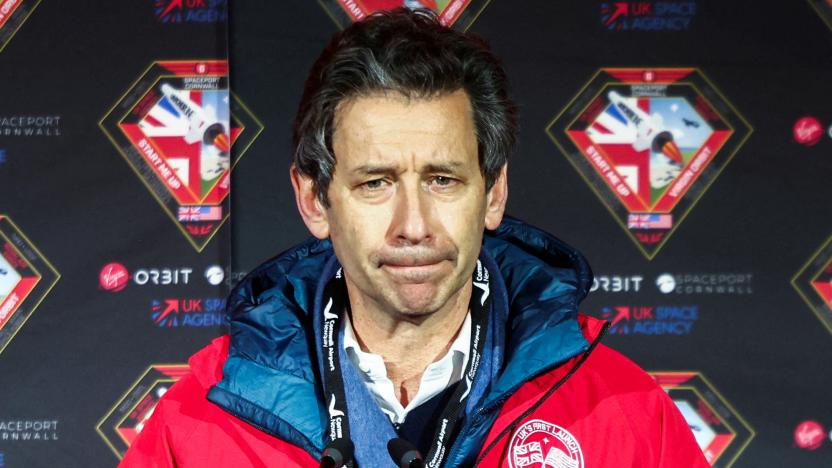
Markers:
<point>13,13</point>
<point>182,132</point>
<point>26,277</point>
<point>824,9</point>
<point>814,283</point>
<point>459,14</point>
<point>127,417</point>
<point>649,142</point>
<point>719,430</point>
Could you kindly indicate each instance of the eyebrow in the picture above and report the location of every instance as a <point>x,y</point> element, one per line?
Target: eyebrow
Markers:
<point>368,169</point>
<point>373,170</point>
<point>450,167</point>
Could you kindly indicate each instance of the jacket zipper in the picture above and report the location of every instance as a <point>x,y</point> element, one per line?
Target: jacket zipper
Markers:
<point>539,402</point>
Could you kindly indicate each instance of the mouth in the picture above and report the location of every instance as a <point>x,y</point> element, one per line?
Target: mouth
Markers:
<point>413,272</point>
<point>416,265</point>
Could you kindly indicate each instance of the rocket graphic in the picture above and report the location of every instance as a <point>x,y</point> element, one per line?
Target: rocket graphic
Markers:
<point>650,131</point>
<point>203,124</point>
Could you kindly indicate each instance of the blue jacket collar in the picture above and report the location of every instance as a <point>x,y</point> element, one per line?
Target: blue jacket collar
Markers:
<point>271,378</point>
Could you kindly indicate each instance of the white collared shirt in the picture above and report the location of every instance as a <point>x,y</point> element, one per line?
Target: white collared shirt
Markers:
<point>437,377</point>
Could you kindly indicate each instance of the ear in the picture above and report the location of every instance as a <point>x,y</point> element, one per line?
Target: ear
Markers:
<point>496,200</point>
<point>310,207</point>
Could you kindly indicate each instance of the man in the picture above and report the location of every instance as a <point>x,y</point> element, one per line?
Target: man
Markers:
<point>400,320</point>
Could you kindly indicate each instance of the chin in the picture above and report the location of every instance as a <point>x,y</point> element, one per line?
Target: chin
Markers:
<point>418,300</point>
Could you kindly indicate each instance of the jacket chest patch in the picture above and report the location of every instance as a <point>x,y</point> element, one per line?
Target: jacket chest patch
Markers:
<point>538,443</point>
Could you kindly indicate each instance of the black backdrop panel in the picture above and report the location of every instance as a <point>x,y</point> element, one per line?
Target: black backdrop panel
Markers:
<point>113,279</point>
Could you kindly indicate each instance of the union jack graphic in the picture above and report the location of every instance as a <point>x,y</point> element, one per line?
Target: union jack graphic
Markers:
<point>199,213</point>
<point>649,221</point>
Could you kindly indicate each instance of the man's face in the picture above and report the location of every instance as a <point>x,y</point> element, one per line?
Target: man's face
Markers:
<point>408,201</point>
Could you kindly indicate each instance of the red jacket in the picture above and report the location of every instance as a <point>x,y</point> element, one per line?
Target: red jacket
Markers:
<point>550,394</point>
<point>596,410</point>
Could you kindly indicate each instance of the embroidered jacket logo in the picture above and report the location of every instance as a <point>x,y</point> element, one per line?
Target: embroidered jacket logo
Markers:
<point>540,444</point>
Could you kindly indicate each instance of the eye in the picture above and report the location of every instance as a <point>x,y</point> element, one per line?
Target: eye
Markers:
<point>442,180</point>
<point>374,184</point>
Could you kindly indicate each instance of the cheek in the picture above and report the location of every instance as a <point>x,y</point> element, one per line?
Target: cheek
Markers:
<point>359,228</point>
<point>466,214</point>
<point>464,223</point>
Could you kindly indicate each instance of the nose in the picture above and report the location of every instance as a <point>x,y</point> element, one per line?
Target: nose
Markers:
<point>411,223</point>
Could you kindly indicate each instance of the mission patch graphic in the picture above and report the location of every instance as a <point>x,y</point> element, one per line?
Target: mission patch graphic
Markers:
<point>823,9</point>
<point>720,431</point>
<point>182,132</point>
<point>455,13</point>
<point>649,142</point>
<point>125,420</point>
<point>13,13</point>
<point>814,283</point>
<point>26,277</point>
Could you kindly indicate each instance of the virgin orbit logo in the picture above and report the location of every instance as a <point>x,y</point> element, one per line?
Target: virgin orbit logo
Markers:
<point>809,435</point>
<point>807,131</point>
<point>113,277</point>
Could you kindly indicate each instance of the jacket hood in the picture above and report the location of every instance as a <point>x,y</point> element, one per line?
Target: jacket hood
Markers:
<point>544,280</point>
<point>270,378</point>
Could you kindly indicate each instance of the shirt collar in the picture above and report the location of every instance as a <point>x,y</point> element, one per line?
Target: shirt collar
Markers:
<point>461,344</point>
<point>437,376</point>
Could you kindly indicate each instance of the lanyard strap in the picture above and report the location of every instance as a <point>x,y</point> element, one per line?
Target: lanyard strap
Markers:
<point>337,303</point>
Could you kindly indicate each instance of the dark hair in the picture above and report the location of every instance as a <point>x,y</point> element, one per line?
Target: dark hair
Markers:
<point>408,52</point>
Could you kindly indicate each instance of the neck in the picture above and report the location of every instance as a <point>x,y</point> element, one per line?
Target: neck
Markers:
<point>409,344</point>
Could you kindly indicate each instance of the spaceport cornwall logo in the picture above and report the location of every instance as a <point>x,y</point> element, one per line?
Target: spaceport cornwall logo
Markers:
<point>25,430</point>
<point>26,277</point>
<point>720,431</point>
<point>13,13</point>
<point>217,275</point>
<point>723,283</point>
<point>455,13</point>
<point>649,142</point>
<point>814,283</point>
<point>182,132</point>
<point>648,15</point>
<point>191,11</point>
<point>188,312</point>
<point>651,320</point>
<point>30,125</point>
<point>114,276</point>
<point>127,417</point>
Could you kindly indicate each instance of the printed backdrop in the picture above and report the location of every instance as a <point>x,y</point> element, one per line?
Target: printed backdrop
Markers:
<point>684,146</point>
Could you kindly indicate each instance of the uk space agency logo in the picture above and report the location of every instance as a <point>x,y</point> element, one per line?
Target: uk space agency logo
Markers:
<point>539,444</point>
<point>13,13</point>
<point>648,15</point>
<point>191,11</point>
<point>651,320</point>
<point>182,131</point>
<point>649,142</point>
<point>453,13</point>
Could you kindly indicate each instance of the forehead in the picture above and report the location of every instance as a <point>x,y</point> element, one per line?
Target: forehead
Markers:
<point>387,127</point>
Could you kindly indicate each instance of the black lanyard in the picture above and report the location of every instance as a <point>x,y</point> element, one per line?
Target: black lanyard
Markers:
<point>336,303</point>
